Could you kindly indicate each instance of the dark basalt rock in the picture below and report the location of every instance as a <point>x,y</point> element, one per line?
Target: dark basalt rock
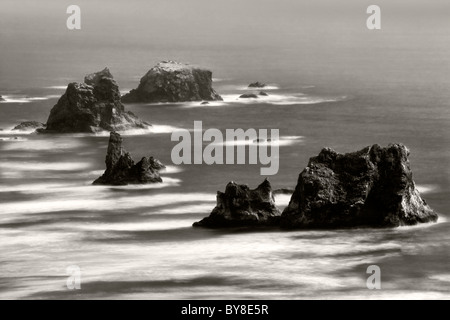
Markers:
<point>92,106</point>
<point>204,102</point>
<point>170,81</point>
<point>29,126</point>
<point>371,187</point>
<point>121,169</point>
<point>2,99</point>
<point>248,96</point>
<point>257,84</point>
<point>262,93</point>
<point>241,207</point>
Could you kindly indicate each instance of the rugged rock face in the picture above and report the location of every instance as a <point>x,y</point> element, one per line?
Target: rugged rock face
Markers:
<point>239,206</point>
<point>91,107</point>
<point>257,84</point>
<point>121,169</point>
<point>29,126</point>
<point>170,81</point>
<point>262,93</point>
<point>1,98</point>
<point>371,187</point>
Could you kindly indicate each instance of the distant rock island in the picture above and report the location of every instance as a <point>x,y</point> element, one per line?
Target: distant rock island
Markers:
<point>257,84</point>
<point>92,106</point>
<point>371,187</point>
<point>240,206</point>
<point>121,169</point>
<point>171,81</point>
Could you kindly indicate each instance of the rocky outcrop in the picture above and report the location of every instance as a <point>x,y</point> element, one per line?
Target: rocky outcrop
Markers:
<point>257,84</point>
<point>170,81</point>
<point>239,207</point>
<point>248,96</point>
<point>29,126</point>
<point>121,169</point>
<point>92,106</point>
<point>371,187</point>
<point>2,99</point>
<point>262,93</point>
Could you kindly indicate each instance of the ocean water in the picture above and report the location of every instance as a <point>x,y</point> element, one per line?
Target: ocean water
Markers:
<point>332,83</point>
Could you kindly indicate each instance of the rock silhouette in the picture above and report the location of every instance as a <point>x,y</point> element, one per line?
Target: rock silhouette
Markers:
<point>371,187</point>
<point>240,206</point>
<point>121,169</point>
<point>92,106</point>
<point>171,81</point>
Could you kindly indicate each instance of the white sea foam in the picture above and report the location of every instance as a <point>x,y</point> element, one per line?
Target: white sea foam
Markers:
<point>44,166</point>
<point>89,199</point>
<point>154,128</point>
<point>279,99</point>
<point>426,188</point>
<point>15,139</point>
<point>21,99</point>
<point>58,87</point>
<point>139,226</point>
<point>43,144</point>
<point>282,142</point>
<point>282,200</point>
<point>171,170</point>
<point>220,79</point>
<point>266,87</point>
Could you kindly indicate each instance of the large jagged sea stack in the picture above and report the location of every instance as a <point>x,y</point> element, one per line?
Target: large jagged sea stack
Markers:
<point>91,107</point>
<point>371,187</point>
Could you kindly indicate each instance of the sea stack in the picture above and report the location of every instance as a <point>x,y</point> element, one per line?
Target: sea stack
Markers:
<point>91,107</point>
<point>171,81</point>
<point>371,187</point>
<point>121,169</point>
<point>239,206</point>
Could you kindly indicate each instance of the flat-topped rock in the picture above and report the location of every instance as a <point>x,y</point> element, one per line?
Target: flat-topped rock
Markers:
<point>239,206</point>
<point>92,106</point>
<point>248,96</point>
<point>121,169</point>
<point>171,81</point>
<point>371,187</point>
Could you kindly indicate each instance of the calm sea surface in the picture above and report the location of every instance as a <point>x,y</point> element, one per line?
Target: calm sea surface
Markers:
<point>332,83</point>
